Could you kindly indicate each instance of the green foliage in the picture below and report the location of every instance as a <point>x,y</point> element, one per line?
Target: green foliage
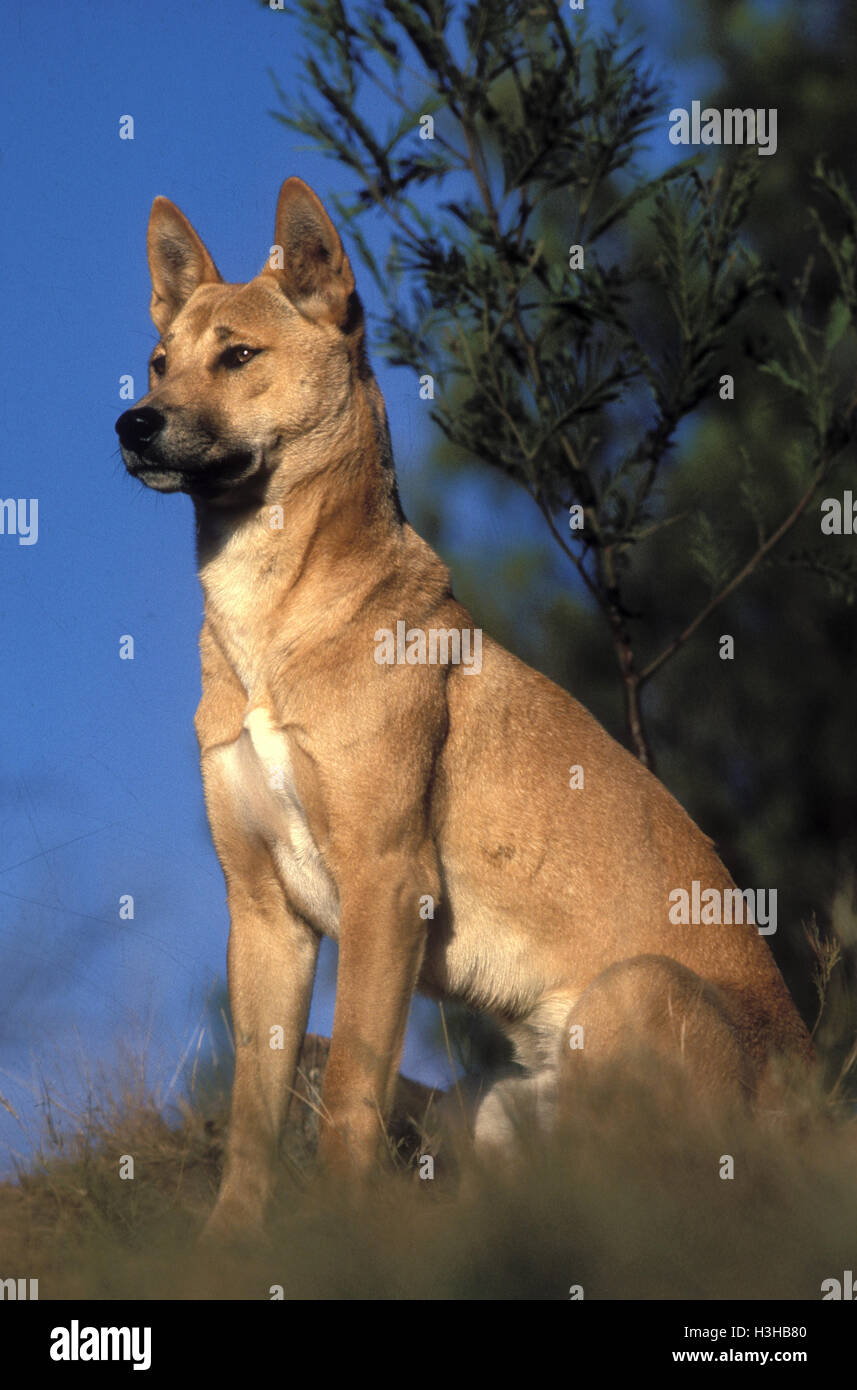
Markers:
<point>842,252</point>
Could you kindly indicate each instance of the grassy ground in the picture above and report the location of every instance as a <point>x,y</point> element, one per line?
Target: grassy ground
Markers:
<point>626,1200</point>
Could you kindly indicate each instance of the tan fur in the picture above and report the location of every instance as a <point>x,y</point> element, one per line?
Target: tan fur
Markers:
<point>342,792</point>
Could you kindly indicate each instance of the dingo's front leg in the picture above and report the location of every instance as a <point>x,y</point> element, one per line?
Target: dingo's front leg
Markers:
<point>272,960</point>
<point>382,940</point>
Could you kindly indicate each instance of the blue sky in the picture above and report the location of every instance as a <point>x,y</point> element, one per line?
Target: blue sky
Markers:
<point>100,793</point>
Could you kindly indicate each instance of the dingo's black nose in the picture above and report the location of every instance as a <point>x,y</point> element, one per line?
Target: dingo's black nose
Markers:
<point>137,428</point>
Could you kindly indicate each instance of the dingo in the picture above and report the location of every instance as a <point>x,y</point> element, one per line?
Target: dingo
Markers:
<point>418,812</point>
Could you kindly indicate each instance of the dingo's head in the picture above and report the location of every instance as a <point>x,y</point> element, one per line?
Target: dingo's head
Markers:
<point>242,370</point>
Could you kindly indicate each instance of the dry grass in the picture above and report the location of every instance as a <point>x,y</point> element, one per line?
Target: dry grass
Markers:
<point>626,1200</point>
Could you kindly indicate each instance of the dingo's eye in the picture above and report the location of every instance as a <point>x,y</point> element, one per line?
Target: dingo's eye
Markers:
<point>239,356</point>
<point>159,365</point>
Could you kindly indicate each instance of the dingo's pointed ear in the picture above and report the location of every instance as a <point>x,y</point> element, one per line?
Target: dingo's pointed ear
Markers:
<point>308,260</point>
<point>178,262</point>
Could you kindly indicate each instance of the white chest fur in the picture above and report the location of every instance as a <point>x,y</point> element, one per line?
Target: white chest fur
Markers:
<point>259,771</point>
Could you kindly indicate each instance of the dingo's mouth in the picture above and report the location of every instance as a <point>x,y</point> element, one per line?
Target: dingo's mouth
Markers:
<point>198,479</point>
